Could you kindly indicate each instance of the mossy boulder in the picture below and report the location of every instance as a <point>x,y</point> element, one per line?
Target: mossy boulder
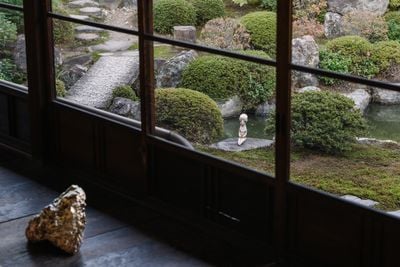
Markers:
<point>190,113</point>
<point>170,13</point>
<point>124,91</point>
<point>262,27</point>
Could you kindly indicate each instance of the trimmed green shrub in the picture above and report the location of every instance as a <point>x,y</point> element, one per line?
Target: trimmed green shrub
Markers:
<point>63,31</point>
<point>358,50</point>
<point>334,62</point>
<point>208,9</point>
<point>15,17</point>
<point>394,4</point>
<point>124,91</point>
<point>215,76</point>
<point>192,114</point>
<point>386,54</point>
<point>221,78</point>
<point>10,72</point>
<point>262,27</point>
<point>170,13</point>
<point>393,21</point>
<point>269,5</point>
<point>8,31</point>
<point>60,88</point>
<point>324,121</point>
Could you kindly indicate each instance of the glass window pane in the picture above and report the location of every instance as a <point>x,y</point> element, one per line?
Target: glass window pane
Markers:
<point>96,77</point>
<point>12,47</point>
<point>221,105</point>
<point>228,25</point>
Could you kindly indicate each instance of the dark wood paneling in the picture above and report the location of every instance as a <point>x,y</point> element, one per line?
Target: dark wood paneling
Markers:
<point>179,181</point>
<point>4,123</point>
<point>390,243</point>
<point>244,205</point>
<point>22,126</point>
<point>123,164</point>
<point>76,141</point>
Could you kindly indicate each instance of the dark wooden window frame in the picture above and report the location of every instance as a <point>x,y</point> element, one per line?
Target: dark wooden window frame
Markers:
<point>39,15</point>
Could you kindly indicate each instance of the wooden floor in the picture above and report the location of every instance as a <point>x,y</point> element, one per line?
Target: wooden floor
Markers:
<point>108,241</point>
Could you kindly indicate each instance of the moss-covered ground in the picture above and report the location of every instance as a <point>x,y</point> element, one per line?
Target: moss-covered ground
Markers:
<point>367,171</point>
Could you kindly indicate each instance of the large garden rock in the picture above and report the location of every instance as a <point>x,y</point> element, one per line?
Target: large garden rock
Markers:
<point>264,109</point>
<point>332,25</point>
<point>185,33</point>
<point>361,99</point>
<point>71,75</point>
<point>309,89</point>
<point>231,108</point>
<point>126,107</point>
<point>363,202</point>
<point>130,3</point>
<point>82,3</point>
<point>305,52</point>
<point>170,73</point>
<point>20,54</point>
<point>345,6</point>
<point>386,97</point>
<point>376,142</point>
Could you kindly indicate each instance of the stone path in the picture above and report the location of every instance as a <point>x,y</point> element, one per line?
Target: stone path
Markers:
<point>111,70</point>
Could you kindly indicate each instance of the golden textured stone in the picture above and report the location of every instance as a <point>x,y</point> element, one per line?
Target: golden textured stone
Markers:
<point>62,222</point>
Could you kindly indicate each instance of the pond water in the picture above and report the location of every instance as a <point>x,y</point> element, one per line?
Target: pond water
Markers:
<point>383,121</point>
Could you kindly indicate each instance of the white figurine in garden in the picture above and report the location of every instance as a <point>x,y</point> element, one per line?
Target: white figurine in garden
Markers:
<point>242,129</point>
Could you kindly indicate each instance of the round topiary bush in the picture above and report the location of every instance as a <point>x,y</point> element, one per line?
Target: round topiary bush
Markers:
<point>208,9</point>
<point>63,31</point>
<point>262,27</point>
<point>387,56</point>
<point>324,121</point>
<point>170,13</point>
<point>124,91</point>
<point>358,50</point>
<point>215,76</point>
<point>192,114</point>
<point>8,31</point>
<point>335,62</point>
<point>221,78</point>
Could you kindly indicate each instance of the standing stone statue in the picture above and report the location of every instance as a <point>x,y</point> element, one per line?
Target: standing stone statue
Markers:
<point>242,129</point>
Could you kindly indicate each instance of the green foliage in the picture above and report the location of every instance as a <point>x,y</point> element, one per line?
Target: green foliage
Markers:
<point>393,21</point>
<point>334,62</point>
<point>9,71</point>
<point>8,31</point>
<point>386,54</point>
<point>15,17</point>
<point>124,91</point>
<point>63,30</point>
<point>216,76</point>
<point>358,50</point>
<point>192,114</point>
<point>221,78</point>
<point>269,5</point>
<point>262,27</point>
<point>323,121</point>
<point>394,4</point>
<point>208,9</point>
<point>60,88</point>
<point>170,13</point>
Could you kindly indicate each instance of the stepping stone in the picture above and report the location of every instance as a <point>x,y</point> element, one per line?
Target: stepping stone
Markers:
<point>87,29</point>
<point>83,3</point>
<point>230,144</point>
<point>364,202</point>
<point>81,17</point>
<point>113,46</point>
<point>87,37</point>
<point>395,213</point>
<point>91,11</point>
